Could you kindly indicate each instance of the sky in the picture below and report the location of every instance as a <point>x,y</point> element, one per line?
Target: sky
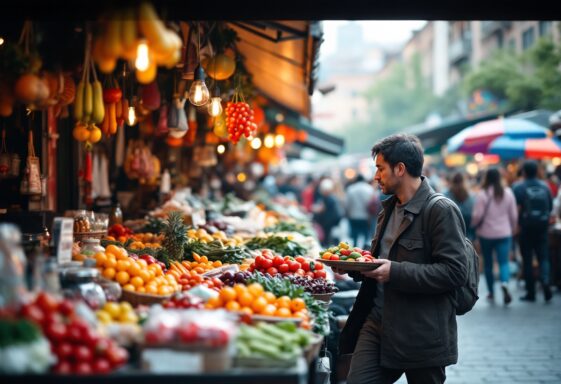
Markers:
<point>385,32</point>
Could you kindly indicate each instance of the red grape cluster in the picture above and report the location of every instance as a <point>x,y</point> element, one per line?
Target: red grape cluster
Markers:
<point>239,120</point>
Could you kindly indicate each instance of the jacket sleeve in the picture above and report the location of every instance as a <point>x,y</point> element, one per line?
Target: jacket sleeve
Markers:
<point>478,208</point>
<point>512,211</point>
<point>448,269</point>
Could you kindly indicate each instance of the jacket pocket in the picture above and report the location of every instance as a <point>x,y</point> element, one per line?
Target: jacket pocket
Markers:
<point>410,249</point>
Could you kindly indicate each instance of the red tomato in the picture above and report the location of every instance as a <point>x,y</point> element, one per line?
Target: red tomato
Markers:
<point>288,258</point>
<point>320,274</point>
<point>345,252</point>
<point>66,307</point>
<point>334,257</point>
<point>272,271</point>
<point>46,302</point>
<point>64,350</point>
<point>82,368</point>
<point>300,259</point>
<point>300,272</point>
<point>318,266</point>
<point>267,263</point>
<point>116,355</point>
<point>294,266</point>
<point>90,337</point>
<point>101,365</point>
<point>63,367</point>
<point>259,261</point>
<point>310,274</point>
<point>56,332</point>
<point>277,261</point>
<point>306,266</point>
<point>33,312</point>
<point>102,346</point>
<point>284,268</point>
<point>82,354</point>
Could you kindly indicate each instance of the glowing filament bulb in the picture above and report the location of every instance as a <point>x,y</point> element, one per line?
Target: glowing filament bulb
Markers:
<point>215,107</point>
<point>131,119</point>
<point>142,60</point>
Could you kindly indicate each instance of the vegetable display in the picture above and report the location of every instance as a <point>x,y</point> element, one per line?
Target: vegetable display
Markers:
<point>282,245</point>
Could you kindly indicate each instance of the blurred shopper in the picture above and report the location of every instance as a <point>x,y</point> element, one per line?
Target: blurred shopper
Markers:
<point>328,212</point>
<point>307,195</point>
<point>403,320</point>
<point>356,204</point>
<point>535,205</point>
<point>495,217</point>
<point>459,193</point>
<point>374,208</point>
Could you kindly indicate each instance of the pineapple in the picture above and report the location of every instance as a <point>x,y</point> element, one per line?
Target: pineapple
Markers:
<point>175,233</point>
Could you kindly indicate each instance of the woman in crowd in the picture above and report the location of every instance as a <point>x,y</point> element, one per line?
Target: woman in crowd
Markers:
<point>459,194</point>
<point>495,217</point>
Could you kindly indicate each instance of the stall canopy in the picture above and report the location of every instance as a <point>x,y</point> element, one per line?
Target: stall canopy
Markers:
<point>282,59</point>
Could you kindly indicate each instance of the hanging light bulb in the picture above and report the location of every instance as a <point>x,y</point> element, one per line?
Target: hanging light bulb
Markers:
<point>198,93</point>
<point>131,118</point>
<point>215,105</point>
<point>256,143</point>
<point>279,140</point>
<point>221,149</point>
<point>269,141</point>
<point>142,61</point>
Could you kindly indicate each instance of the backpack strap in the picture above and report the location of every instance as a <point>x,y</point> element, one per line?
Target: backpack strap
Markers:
<point>425,215</point>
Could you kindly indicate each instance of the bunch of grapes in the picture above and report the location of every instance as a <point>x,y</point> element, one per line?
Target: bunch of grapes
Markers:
<point>239,120</point>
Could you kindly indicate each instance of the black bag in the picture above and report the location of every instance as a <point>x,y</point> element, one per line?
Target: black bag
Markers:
<point>465,296</point>
<point>535,207</point>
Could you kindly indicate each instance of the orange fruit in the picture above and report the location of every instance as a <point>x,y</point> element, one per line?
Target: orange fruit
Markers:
<point>128,287</point>
<point>141,289</point>
<point>269,310</point>
<point>110,262</point>
<point>270,297</point>
<point>228,294</point>
<point>123,265</point>
<point>255,289</point>
<point>233,306</point>
<point>137,282</point>
<point>109,273</point>
<point>283,302</point>
<point>157,269</point>
<point>259,305</point>
<point>214,302</point>
<point>245,299</point>
<point>134,268</point>
<point>246,310</point>
<point>100,259</point>
<point>143,264</point>
<point>122,277</point>
<point>164,290</point>
<point>283,312</point>
<point>297,304</point>
<point>240,288</point>
<point>152,289</point>
<point>117,251</point>
<point>145,275</point>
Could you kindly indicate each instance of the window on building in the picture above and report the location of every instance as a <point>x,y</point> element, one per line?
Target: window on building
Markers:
<point>527,38</point>
<point>545,27</point>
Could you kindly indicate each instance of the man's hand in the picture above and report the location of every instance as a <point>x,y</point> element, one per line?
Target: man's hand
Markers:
<point>382,273</point>
<point>338,271</point>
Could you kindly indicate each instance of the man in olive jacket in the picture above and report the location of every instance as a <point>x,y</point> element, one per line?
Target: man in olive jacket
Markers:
<point>404,319</point>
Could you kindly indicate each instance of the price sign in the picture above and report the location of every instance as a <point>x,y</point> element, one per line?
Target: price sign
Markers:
<point>63,238</point>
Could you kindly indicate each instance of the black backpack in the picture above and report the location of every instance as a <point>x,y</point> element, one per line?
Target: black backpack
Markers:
<point>535,207</point>
<point>465,296</point>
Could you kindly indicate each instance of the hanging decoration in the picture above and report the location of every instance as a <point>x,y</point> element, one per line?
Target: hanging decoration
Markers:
<point>239,117</point>
<point>198,92</point>
<point>112,98</point>
<point>221,64</point>
<point>139,36</point>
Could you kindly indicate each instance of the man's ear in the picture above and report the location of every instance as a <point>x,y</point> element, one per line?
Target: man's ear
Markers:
<point>400,169</point>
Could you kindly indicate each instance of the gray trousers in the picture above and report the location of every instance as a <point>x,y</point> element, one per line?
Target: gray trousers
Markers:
<point>365,363</point>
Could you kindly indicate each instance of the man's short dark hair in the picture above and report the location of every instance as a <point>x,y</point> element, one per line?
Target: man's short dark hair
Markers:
<point>530,168</point>
<point>401,148</point>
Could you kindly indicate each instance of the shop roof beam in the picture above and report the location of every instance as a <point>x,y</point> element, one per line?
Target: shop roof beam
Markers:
<point>293,34</point>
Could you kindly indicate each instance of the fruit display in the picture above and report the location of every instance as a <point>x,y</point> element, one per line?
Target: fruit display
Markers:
<point>344,252</point>
<point>189,274</point>
<point>216,251</point>
<point>113,312</point>
<point>119,232</point>
<point>203,236</point>
<point>282,341</point>
<point>175,236</point>
<point>253,299</point>
<point>188,327</point>
<point>135,275</point>
<point>79,348</point>
<point>284,226</point>
<point>268,262</point>
<point>282,245</point>
<point>313,286</point>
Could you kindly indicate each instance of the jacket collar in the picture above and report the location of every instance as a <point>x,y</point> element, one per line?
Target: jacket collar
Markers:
<point>417,202</point>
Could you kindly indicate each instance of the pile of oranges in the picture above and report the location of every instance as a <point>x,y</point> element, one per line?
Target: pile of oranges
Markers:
<point>253,299</point>
<point>134,275</point>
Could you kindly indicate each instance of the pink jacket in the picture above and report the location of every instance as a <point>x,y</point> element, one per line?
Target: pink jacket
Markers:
<point>501,217</point>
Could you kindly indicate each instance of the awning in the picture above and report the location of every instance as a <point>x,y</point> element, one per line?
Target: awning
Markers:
<point>281,57</point>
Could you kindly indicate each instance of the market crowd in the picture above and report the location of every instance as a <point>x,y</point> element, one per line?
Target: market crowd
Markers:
<point>511,214</point>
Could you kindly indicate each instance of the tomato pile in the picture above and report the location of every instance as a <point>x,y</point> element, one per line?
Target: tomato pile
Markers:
<point>272,264</point>
<point>79,348</point>
<point>183,301</point>
<point>239,120</point>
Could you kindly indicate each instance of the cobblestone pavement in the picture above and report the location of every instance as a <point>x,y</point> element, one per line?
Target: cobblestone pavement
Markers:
<point>520,343</point>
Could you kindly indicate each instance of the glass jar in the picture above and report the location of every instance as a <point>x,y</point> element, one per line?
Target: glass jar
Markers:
<point>81,283</point>
<point>116,215</point>
<point>90,247</point>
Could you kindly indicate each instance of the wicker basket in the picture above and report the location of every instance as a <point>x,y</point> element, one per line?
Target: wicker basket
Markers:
<point>79,236</point>
<point>323,296</point>
<point>135,298</point>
